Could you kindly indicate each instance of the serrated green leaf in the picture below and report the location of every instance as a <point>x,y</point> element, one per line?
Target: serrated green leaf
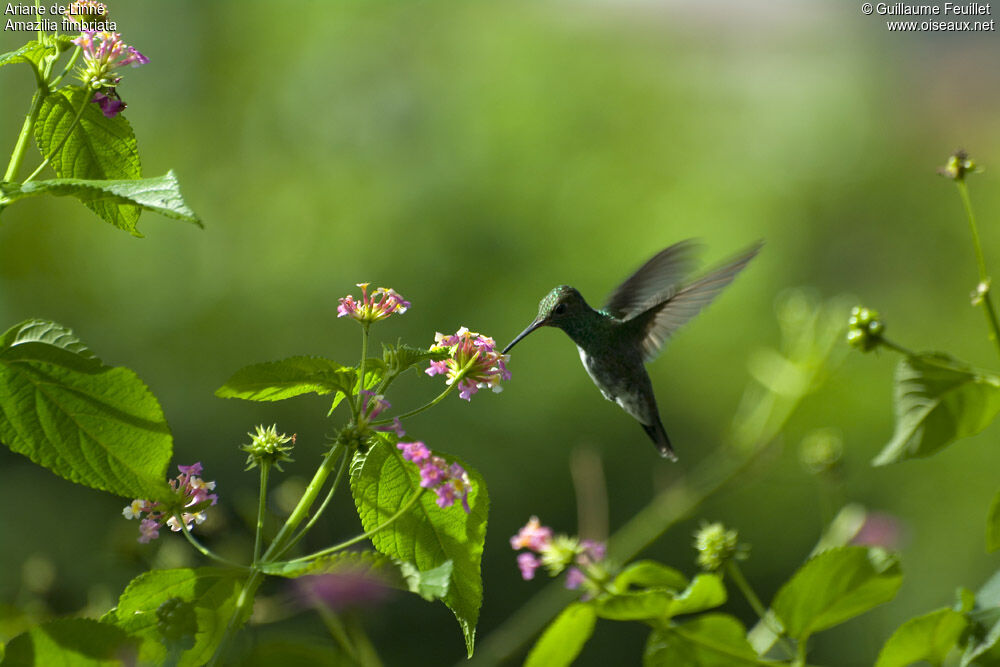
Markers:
<point>705,592</point>
<point>929,637</point>
<point>31,53</point>
<point>161,194</point>
<point>362,563</point>
<point>710,640</point>
<point>92,424</point>
<point>278,380</point>
<point>374,369</point>
<point>401,357</point>
<point>71,642</point>
<point>834,586</point>
<point>428,536</point>
<point>212,591</point>
<point>563,640</point>
<point>650,574</point>
<point>95,148</point>
<point>937,401</point>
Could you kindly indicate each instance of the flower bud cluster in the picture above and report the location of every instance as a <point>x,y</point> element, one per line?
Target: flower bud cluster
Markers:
<point>268,446</point>
<point>716,545</point>
<point>864,329</point>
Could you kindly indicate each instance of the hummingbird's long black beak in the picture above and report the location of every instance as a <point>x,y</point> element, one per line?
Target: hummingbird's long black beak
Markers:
<point>531,327</point>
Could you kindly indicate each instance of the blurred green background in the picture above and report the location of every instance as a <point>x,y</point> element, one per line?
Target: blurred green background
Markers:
<point>472,156</point>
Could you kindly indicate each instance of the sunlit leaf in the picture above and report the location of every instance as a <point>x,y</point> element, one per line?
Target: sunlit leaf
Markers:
<point>563,640</point>
<point>929,637</point>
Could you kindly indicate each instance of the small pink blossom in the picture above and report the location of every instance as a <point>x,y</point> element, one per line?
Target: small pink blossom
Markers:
<point>532,536</point>
<point>474,362</point>
<point>382,303</point>
<point>528,563</point>
<point>192,493</point>
<point>574,577</point>
<point>449,482</point>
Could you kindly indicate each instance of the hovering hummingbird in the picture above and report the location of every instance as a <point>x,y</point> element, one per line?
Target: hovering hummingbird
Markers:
<point>639,317</point>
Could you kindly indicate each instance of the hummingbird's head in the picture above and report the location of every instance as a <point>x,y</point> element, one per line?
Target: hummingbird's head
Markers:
<point>563,304</point>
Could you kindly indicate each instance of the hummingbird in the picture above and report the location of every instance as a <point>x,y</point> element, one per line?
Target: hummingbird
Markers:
<point>639,317</point>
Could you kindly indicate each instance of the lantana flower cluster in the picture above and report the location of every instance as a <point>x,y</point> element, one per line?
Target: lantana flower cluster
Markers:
<point>556,553</point>
<point>448,481</point>
<point>192,493</point>
<point>474,362</point>
<point>373,307</point>
<point>104,52</point>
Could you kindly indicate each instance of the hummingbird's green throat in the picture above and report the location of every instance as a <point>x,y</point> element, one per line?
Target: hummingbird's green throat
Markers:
<point>631,329</point>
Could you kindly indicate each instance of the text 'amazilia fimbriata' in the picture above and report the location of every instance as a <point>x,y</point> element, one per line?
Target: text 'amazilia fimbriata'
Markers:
<point>639,317</point>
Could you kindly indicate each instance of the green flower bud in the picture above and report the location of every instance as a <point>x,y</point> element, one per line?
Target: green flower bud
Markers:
<point>821,450</point>
<point>864,329</point>
<point>560,553</point>
<point>716,545</point>
<point>268,446</point>
<point>959,164</point>
<point>175,620</point>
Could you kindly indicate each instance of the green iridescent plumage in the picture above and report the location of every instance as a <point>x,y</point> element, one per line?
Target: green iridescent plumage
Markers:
<point>639,317</point>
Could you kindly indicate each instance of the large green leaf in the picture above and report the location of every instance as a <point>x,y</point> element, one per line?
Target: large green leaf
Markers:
<point>711,640</point>
<point>212,591</point>
<point>278,380</point>
<point>71,642</point>
<point>938,400</point>
<point>834,586</point>
<point>95,148</point>
<point>563,640</point>
<point>982,644</point>
<point>427,536</point>
<point>705,592</point>
<point>430,584</point>
<point>90,423</point>
<point>161,194</point>
<point>650,574</point>
<point>929,637</point>
<point>31,53</point>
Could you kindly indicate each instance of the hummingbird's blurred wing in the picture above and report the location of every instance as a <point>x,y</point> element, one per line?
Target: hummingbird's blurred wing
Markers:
<point>667,317</point>
<point>656,280</point>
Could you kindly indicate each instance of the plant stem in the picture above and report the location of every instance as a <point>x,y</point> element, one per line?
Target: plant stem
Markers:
<point>326,501</point>
<point>69,66</point>
<point>291,523</point>
<point>27,129</point>
<point>336,628</point>
<point>202,549</point>
<point>265,469</point>
<point>983,289</point>
<point>415,411</point>
<point>62,142</point>
<point>896,348</point>
<point>361,372</point>
<point>736,574</point>
<point>364,536</point>
<point>800,654</point>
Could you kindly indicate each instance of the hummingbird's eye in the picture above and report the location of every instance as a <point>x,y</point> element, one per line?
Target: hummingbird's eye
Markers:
<point>560,309</point>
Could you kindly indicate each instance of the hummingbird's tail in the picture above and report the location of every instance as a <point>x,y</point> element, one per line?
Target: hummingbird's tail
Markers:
<point>658,435</point>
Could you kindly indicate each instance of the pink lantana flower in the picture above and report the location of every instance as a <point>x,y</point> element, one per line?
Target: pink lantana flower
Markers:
<point>474,362</point>
<point>104,52</point>
<point>582,559</point>
<point>192,494</point>
<point>379,305</point>
<point>449,482</point>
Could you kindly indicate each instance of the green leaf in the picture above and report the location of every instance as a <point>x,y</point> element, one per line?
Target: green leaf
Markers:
<point>711,640</point>
<point>374,369</point>
<point>563,640</point>
<point>938,400</point>
<point>430,584</point>
<point>278,380</point>
<point>981,644</point>
<point>993,525</point>
<point>95,148</point>
<point>161,194</point>
<point>362,563</point>
<point>834,586</point>
<point>89,423</point>
<point>427,536</point>
<point>929,637</point>
<point>71,642</point>
<point>212,591</point>
<point>705,592</point>
<point>31,53</point>
<point>398,358</point>
<point>650,574</point>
